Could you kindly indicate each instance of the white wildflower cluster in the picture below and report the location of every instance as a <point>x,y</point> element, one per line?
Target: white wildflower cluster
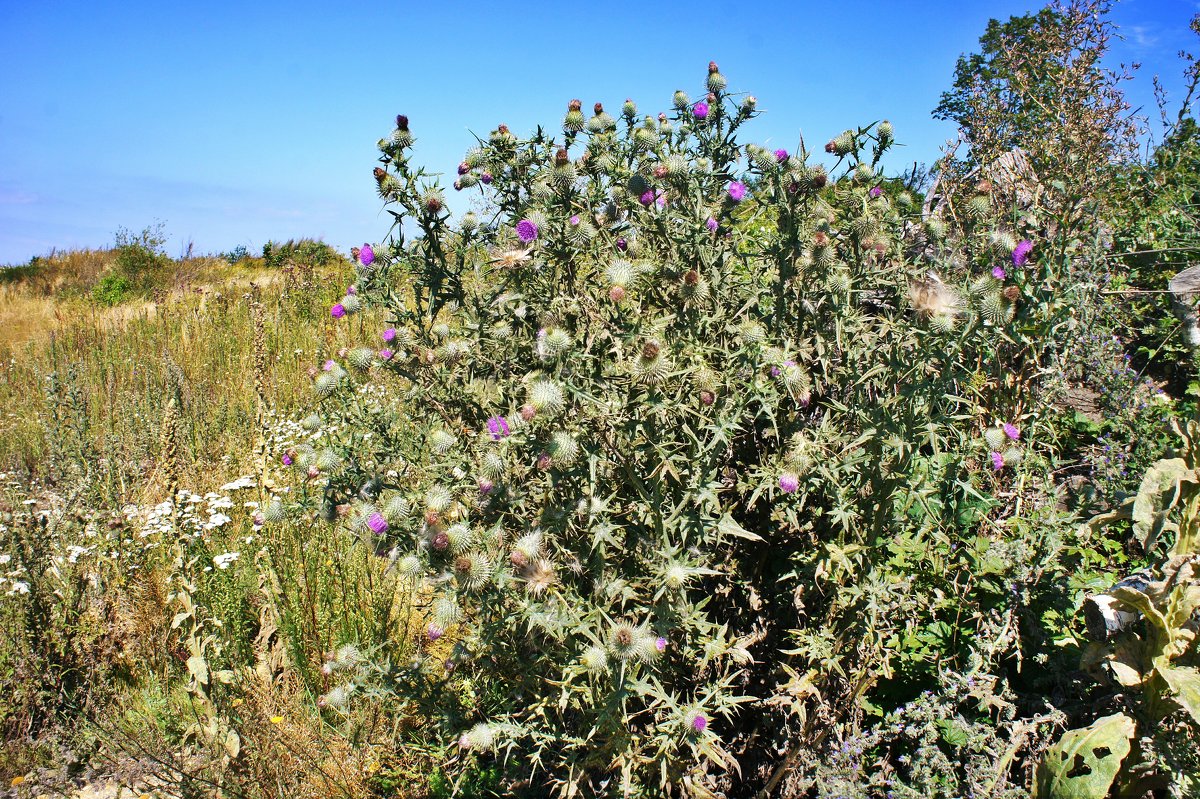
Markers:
<point>10,574</point>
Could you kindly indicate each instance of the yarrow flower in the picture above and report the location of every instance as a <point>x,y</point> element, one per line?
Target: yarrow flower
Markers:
<point>377,523</point>
<point>366,256</point>
<point>1011,431</point>
<point>700,111</point>
<point>337,311</point>
<point>737,191</point>
<point>997,461</point>
<point>498,427</point>
<point>527,230</point>
<point>711,223</point>
<point>789,483</point>
<point>1021,253</point>
<point>999,273</point>
<point>781,155</point>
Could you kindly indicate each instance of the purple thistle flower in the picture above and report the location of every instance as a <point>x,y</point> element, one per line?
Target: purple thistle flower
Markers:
<point>366,256</point>
<point>622,245</point>
<point>463,168</point>
<point>789,483</point>
<point>351,290</point>
<point>700,111</point>
<point>377,523</point>
<point>660,644</point>
<point>527,230</point>
<point>875,192</point>
<point>389,335</point>
<point>328,365</point>
<point>1021,253</point>
<point>699,722</point>
<point>997,461</point>
<point>485,485</point>
<point>999,273</point>
<point>1011,431</point>
<point>781,155</point>
<point>337,311</point>
<point>711,223</point>
<point>286,459</point>
<point>737,191</point>
<point>434,632</point>
<point>498,427</point>
<point>385,354</point>
<point>485,178</point>
<point>574,220</point>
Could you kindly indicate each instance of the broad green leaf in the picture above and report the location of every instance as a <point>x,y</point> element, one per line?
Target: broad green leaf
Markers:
<point>1185,682</point>
<point>1149,509</point>
<point>198,667</point>
<point>1083,764</point>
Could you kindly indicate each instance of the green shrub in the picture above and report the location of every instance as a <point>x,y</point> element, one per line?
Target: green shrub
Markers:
<point>111,289</point>
<point>699,443</point>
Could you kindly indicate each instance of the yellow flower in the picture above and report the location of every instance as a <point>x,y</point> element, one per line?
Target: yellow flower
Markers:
<point>237,702</point>
<point>276,719</point>
<point>372,767</point>
<point>18,780</point>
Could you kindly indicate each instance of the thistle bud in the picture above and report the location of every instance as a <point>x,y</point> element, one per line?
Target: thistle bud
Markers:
<point>716,81</point>
<point>680,100</point>
<point>561,158</point>
<point>629,109</point>
<point>401,122</point>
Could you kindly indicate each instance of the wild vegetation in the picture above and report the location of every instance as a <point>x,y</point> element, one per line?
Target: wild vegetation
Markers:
<point>680,466</point>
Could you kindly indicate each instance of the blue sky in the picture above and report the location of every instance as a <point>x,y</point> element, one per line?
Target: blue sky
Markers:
<point>235,123</point>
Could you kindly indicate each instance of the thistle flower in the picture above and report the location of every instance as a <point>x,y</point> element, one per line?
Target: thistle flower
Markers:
<point>286,459</point>
<point>386,355</point>
<point>737,191</point>
<point>389,335</point>
<point>337,311</point>
<point>699,722</point>
<point>660,644</point>
<point>1021,253</point>
<point>781,155</point>
<point>434,631</point>
<point>366,255</point>
<point>997,461</point>
<point>1011,431</point>
<point>498,427</point>
<point>789,483</point>
<point>377,523</point>
<point>875,192</point>
<point>711,224</point>
<point>999,273</point>
<point>700,110</point>
<point>527,230</point>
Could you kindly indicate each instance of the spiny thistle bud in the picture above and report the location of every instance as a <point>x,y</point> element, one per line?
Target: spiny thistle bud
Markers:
<point>351,303</point>
<point>749,104</point>
<point>680,100</point>
<point>1012,456</point>
<point>1002,241</point>
<point>325,384</point>
<point>275,512</point>
<point>645,137</point>
<point>481,738</point>
<point>595,660</point>
<point>994,438</point>
<point>362,358</point>
<point>459,538</point>
<point>441,442</point>
<point>564,449</point>
<point>817,176</point>
<point>623,640</point>
<point>839,281</point>
<point>467,181</point>
<point>884,131</point>
<point>433,200</point>
<point>446,611</point>
<point>546,397</point>
<point>716,81</point>
<point>438,499</point>
<point>936,228</point>
<point>410,566</point>
<point>762,158</point>
<point>995,308</point>
<point>556,342</point>
<point>469,222</point>
<point>676,576</point>
<point>397,509</point>
<point>574,121</point>
<point>602,122</point>
<point>493,465</point>
<point>629,109</point>
<point>863,173</point>
<point>474,158</point>
<point>979,207</point>
<point>842,144</point>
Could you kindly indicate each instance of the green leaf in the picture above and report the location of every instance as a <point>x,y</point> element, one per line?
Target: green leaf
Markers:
<point>1185,682</point>
<point>1084,763</point>
<point>1155,498</point>
<point>198,667</point>
<point>727,526</point>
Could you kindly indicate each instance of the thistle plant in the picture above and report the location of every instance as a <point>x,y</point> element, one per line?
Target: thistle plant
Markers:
<point>647,395</point>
